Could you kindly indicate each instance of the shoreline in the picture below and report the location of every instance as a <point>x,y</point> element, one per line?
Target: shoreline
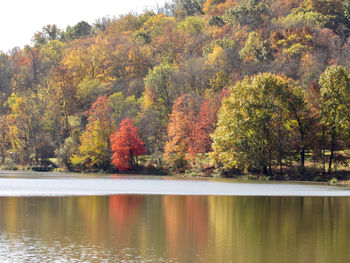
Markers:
<point>248,178</point>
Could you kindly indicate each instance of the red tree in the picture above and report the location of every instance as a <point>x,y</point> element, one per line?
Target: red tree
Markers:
<point>190,124</point>
<point>181,126</point>
<point>206,123</point>
<point>126,145</point>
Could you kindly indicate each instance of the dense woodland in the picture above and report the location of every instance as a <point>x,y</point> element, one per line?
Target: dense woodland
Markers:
<point>196,87</point>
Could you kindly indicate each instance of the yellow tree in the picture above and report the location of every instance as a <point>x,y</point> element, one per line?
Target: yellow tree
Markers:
<point>26,125</point>
<point>89,59</point>
<point>64,95</point>
<point>94,151</point>
<point>4,138</point>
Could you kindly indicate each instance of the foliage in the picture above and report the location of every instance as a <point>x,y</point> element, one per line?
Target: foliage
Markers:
<point>190,125</point>
<point>193,25</point>
<point>88,91</point>
<point>248,12</point>
<point>181,134</point>
<point>94,150</point>
<point>335,115</point>
<point>168,69</point>
<point>252,131</point>
<point>68,149</point>
<point>255,49</point>
<point>300,17</point>
<point>124,107</point>
<point>158,87</point>
<point>126,146</point>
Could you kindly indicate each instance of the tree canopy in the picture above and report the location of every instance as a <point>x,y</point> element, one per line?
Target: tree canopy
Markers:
<point>282,64</point>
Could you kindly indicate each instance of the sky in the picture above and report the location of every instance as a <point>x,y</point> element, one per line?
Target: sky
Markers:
<point>20,19</point>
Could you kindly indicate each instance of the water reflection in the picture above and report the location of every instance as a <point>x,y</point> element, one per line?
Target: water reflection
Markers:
<point>136,228</point>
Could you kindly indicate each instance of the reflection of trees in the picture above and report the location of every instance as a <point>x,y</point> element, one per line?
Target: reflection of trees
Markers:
<point>186,225</point>
<point>93,211</point>
<point>278,229</point>
<point>182,228</point>
<point>10,213</point>
<point>123,211</point>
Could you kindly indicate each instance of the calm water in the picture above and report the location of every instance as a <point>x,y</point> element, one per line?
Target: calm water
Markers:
<point>171,228</point>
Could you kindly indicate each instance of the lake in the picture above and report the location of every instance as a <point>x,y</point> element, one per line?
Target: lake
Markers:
<point>88,218</point>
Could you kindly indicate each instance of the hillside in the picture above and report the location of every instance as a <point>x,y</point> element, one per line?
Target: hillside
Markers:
<point>186,76</point>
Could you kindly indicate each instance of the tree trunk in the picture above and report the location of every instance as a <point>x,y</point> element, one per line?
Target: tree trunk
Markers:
<point>280,152</point>
<point>302,160</point>
<point>269,164</point>
<point>302,153</point>
<point>323,150</point>
<point>280,160</point>
<point>36,151</point>
<point>66,121</point>
<point>132,161</point>
<point>265,169</point>
<point>331,157</point>
<point>302,148</point>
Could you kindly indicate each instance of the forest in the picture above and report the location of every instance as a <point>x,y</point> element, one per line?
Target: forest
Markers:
<point>200,88</point>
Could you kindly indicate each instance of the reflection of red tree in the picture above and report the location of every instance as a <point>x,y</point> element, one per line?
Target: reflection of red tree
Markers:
<point>186,224</point>
<point>123,210</point>
<point>197,217</point>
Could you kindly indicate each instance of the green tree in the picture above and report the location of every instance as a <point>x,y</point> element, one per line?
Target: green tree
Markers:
<point>256,49</point>
<point>123,107</point>
<point>252,13</point>
<point>253,130</point>
<point>88,91</point>
<point>80,30</point>
<point>159,89</point>
<point>335,114</point>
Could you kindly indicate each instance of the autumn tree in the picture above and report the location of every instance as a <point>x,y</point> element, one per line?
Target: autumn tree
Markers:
<point>26,126</point>
<point>126,146</point>
<point>4,139</point>
<point>90,59</point>
<point>94,151</point>
<point>181,133</point>
<point>206,121</point>
<point>63,99</point>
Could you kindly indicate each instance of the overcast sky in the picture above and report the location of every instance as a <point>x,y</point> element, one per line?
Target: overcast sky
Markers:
<point>20,19</point>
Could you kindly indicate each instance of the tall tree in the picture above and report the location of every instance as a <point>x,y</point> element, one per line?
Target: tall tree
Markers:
<point>159,91</point>
<point>26,126</point>
<point>335,111</point>
<point>253,128</point>
<point>206,121</point>
<point>181,127</point>
<point>94,151</point>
